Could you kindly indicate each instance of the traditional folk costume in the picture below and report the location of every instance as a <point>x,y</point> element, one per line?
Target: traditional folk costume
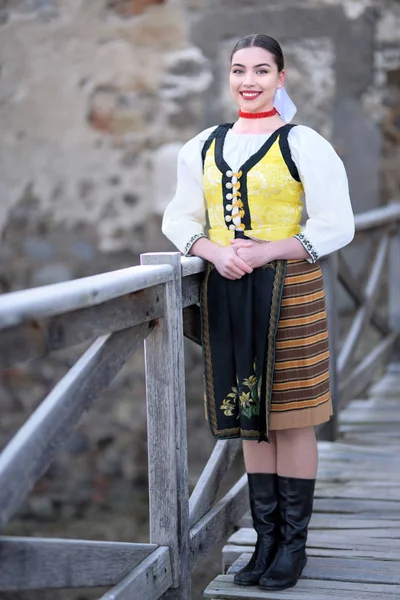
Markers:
<point>265,337</point>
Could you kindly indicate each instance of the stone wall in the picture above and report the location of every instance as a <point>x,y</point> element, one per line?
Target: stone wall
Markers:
<point>96,98</point>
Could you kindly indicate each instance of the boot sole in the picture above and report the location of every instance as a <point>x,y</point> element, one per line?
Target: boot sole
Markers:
<point>283,587</point>
<point>276,588</point>
<point>252,584</point>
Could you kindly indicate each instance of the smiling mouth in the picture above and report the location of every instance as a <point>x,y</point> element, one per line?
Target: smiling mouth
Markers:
<point>250,95</point>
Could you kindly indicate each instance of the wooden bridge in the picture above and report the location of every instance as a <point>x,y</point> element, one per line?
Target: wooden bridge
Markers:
<point>354,535</point>
<point>353,545</point>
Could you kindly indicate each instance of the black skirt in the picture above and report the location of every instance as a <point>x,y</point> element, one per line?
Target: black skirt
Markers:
<point>239,326</point>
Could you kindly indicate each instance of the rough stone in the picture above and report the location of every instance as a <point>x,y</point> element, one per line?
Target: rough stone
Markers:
<point>45,9</point>
<point>42,508</point>
<point>388,25</point>
<point>38,249</point>
<point>129,8</point>
<point>52,273</point>
<point>188,72</point>
<point>120,111</point>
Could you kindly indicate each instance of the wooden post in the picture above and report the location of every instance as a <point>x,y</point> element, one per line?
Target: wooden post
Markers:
<point>394,289</point>
<point>328,431</point>
<point>167,441</point>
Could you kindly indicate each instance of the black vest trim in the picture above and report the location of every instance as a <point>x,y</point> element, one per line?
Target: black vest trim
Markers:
<point>285,149</point>
<point>218,132</point>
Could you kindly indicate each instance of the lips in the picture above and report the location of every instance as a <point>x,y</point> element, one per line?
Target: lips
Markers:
<point>250,95</point>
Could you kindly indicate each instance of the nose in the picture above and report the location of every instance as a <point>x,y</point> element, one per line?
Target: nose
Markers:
<point>249,79</point>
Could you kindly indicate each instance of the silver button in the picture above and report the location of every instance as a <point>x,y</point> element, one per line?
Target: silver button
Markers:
<point>228,207</point>
<point>229,173</point>
<point>232,227</point>
<point>228,185</point>
<point>228,218</point>
<point>229,196</point>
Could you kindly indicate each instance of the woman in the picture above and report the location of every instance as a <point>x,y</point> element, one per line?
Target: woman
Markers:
<point>265,340</point>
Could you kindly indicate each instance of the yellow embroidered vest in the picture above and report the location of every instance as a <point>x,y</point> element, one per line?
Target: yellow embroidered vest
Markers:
<point>263,199</point>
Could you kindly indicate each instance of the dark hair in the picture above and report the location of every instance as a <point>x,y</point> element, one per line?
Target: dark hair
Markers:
<point>260,40</point>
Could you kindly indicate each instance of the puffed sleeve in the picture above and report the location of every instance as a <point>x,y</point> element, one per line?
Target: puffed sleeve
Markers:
<point>330,223</point>
<point>184,219</point>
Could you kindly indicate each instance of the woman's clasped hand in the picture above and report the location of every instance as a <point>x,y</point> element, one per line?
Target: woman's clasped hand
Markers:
<point>255,254</point>
<point>241,257</point>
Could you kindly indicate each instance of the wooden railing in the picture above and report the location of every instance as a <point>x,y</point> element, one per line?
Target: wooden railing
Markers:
<point>155,303</point>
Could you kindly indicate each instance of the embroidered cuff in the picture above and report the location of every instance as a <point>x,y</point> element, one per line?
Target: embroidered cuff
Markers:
<point>305,242</point>
<point>192,240</point>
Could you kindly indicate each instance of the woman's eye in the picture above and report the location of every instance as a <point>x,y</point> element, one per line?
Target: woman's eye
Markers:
<point>262,72</point>
<point>237,71</point>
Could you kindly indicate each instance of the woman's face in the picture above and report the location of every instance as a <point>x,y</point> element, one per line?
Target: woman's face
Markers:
<point>254,79</point>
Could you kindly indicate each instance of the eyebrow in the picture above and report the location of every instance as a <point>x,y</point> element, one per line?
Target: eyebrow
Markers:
<point>255,66</point>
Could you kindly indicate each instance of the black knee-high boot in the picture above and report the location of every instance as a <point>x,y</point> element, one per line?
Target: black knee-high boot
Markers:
<point>295,506</point>
<point>264,510</point>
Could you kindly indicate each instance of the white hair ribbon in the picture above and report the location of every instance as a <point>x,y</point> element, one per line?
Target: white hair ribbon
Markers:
<point>284,105</point>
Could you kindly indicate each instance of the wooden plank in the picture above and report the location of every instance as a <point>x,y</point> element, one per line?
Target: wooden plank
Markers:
<point>372,416</point>
<point>192,265</point>
<point>231,552</point>
<point>340,538</point>
<point>347,491</point>
<point>191,289</point>
<point>375,403</point>
<point>379,471</point>
<point>394,284</point>
<point>167,439</point>
<point>369,508</point>
<point>376,431</point>
<point>345,569</point>
<point>386,387</point>
<point>377,217</point>
<point>325,539</point>
<point>384,440</point>
<point>147,581</point>
<point>207,487</point>
<point>192,324</point>
<point>356,570</point>
<point>37,338</point>
<point>39,563</point>
<point>328,521</point>
<point>223,588</point>
<point>344,451</point>
<point>219,522</point>
<point>359,508</point>
<point>340,450</point>
<point>346,474</point>
<point>363,314</point>
<point>346,278</point>
<point>33,448</point>
<point>50,300</point>
<point>363,374</point>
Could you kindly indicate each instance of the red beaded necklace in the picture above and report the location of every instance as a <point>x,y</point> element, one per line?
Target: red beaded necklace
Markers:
<point>260,115</point>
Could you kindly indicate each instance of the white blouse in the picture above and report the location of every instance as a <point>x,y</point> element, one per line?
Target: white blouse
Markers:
<point>330,220</point>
